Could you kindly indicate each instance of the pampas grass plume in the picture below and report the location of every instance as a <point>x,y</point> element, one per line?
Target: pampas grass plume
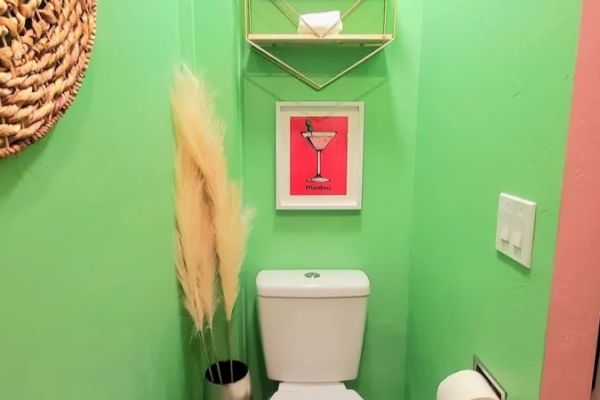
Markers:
<point>232,233</point>
<point>193,213</point>
<point>188,197</point>
<point>202,133</point>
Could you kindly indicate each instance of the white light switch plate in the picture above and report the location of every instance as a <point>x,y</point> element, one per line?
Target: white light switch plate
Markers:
<point>516,223</point>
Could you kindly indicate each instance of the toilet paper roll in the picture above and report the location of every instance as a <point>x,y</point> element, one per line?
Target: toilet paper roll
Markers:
<point>465,385</point>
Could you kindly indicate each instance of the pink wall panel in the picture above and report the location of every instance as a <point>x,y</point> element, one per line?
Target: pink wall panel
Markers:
<point>575,305</point>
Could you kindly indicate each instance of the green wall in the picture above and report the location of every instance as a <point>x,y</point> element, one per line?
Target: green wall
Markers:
<point>89,303</point>
<point>88,298</point>
<point>496,80</point>
<point>375,239</point>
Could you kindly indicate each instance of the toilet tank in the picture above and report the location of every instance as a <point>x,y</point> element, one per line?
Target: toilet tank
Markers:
<point>312,323</point>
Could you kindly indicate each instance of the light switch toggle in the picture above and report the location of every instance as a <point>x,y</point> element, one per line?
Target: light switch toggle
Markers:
<point>516,239</point>
<point>505,233</point>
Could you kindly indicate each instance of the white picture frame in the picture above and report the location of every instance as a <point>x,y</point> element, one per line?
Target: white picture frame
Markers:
<point>353,113</point>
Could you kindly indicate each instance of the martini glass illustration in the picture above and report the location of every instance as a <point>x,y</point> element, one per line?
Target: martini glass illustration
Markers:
<point>318,141</point>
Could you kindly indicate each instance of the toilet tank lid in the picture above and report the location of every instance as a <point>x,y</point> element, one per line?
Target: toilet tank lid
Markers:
<point>316,283</point>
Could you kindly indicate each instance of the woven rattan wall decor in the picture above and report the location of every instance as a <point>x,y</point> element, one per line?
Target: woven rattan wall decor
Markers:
<point>45,47</point>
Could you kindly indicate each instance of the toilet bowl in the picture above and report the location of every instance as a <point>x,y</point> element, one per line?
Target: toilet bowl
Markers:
<point>312,327</point>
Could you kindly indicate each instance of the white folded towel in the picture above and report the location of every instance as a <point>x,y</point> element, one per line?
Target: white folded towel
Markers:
<point>320,23</point>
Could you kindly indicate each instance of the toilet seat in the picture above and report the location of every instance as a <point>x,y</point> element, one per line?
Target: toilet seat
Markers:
<point>314,391</point>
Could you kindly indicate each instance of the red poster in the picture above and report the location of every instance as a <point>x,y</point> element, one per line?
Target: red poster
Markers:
<point>318,156</point>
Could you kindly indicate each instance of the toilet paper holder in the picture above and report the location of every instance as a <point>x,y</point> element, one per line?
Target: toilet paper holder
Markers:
<point>478,366</point>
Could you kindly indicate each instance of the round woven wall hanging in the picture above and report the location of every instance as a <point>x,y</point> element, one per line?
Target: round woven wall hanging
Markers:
<point>45,47</point>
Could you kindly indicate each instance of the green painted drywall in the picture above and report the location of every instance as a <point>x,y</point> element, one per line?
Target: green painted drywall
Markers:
<point>88,298</point>
<point>494,98</point>
<point>215,42</point>
<point>89,301</point>
<point>375,239</point>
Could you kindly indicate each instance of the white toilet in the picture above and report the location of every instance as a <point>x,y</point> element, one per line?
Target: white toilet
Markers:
<point>312,326</point>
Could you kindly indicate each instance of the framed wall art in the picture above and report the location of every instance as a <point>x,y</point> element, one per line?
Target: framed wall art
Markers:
<point>319,151</point>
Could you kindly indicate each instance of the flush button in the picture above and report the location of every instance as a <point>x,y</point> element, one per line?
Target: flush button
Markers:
<point>312,275</point>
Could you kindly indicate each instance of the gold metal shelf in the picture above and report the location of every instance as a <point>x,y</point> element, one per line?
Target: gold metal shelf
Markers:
<point>264,43</point>
<point>270,39</point>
